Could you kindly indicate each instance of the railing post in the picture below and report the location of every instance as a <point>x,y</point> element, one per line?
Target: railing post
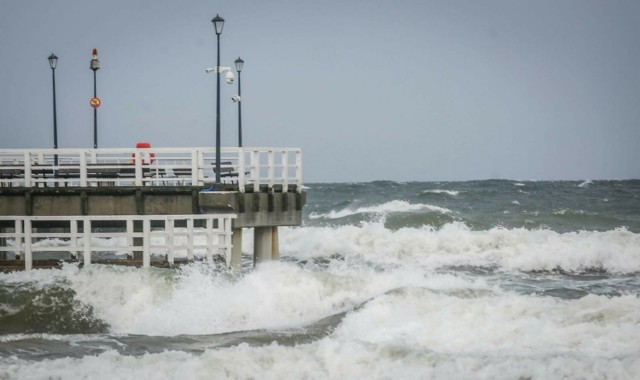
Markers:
<point>27,169</point>
<point>19,236</point>
<point>138,167</point>
<point>86,227</point>
<point>194,167</point>
<point>83,169</point>
<point>270,167</point>
<point>200,171</point>
<point>73,230</point>
<point>168,226</point>
<point>190,238</point>
<point>209,229</point>
<point>129,236</point>
<point>255,170</point>
<point>146,242</point>
<point>28,254</point>
<point>298,170</point>
<point>285,171</point>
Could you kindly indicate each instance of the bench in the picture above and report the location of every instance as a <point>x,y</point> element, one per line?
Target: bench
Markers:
<point>95,171</point>
<point>226,170</point>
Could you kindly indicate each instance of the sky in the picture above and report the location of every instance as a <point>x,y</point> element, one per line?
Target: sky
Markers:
<point>369,90</point>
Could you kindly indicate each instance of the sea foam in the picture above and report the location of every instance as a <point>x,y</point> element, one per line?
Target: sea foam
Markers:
<point>455,244</point>
<point>395,206</point>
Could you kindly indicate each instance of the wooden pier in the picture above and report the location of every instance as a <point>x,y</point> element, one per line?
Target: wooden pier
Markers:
<point>145,204</point>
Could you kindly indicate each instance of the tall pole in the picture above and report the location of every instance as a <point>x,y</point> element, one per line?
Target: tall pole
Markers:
<point>95,66</point>
<point>218,115</point>
<point>239,64</point>
<point>95,114</point>
<point>239,113</point>
<point>55,116</point>
<point>53,62</point>
<point>218,24</point>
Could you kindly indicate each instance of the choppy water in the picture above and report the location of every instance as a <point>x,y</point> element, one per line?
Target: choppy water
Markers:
<point>483,279</point>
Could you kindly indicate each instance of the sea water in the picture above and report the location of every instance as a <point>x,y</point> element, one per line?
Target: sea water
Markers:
<point>384,280</point>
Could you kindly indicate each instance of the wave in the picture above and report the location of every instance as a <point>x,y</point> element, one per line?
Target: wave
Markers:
<point>452,193</point>
<point>395,206</point>
<point>455,244</point>
<point>429,327</point>
<point>585,183</point>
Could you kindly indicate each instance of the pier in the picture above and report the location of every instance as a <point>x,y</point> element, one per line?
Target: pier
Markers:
<point>145,206</point>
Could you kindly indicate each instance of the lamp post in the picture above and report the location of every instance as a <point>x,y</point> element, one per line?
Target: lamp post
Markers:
<point>218,24</point>
<point>239,63</point>
<point>95,66</point>
<point>53,63</point>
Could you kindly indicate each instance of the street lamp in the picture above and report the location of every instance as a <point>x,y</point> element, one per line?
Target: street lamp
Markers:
<point>53,62</point>
<point>218,24</point>
<point>95,102</point>
<point>239,63</point>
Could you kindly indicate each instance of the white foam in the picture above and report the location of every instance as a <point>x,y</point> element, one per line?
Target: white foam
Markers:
<point>455,244</point>
<point>445,322</point>
<point>585,183</point>
<point>453,193</point>
<point>411,333</point>
<point>395,206</point>
<point>273,296</point>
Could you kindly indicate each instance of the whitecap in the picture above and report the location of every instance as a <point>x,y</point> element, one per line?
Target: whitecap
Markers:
<point>452,193</point>
<point>395,206</point>
<point>585,183</point>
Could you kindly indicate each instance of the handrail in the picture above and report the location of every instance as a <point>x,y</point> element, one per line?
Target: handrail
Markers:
<point>251,169</point>
<point>80,234</point>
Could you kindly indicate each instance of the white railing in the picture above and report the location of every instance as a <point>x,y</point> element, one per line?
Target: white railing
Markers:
<point>169,236</point>
<point>251,169</point>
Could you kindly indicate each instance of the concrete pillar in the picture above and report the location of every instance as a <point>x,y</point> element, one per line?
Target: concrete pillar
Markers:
<point>275,249</point>
<point>236,249</point>
<point>262,244</point>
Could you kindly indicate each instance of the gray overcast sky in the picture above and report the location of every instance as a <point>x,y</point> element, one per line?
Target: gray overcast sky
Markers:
<point>397,90</point>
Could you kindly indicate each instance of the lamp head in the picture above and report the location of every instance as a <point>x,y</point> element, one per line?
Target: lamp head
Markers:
<point>53,61</point>
<point>239,63</point>
<point>218,24</point>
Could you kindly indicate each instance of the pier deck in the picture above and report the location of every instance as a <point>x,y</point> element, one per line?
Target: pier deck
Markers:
<point>261,189</point>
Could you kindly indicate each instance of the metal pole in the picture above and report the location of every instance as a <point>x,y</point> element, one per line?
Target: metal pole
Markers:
<point>239,113</point>
<point>55,119</point>
<point>218,115</point>
<point>95,114</point>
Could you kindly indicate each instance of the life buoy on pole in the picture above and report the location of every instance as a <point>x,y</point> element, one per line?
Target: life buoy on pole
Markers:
<point>147,157</point>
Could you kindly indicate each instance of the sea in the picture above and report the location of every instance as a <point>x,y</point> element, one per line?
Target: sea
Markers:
<point>492,279</point>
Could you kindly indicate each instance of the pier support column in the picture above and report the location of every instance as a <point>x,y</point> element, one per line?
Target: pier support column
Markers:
<point>236,249</point>
<point>262,244</point>
<point>275,249</point>
<point>265,244</point>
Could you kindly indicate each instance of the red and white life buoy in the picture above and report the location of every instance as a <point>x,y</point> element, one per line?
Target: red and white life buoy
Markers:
<point>146,156</point>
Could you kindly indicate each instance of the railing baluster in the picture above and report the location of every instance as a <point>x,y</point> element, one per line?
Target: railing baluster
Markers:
<point>28,255</point>
<point>86,229</point>
<point>146,242</point>
<point>169,239</point>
